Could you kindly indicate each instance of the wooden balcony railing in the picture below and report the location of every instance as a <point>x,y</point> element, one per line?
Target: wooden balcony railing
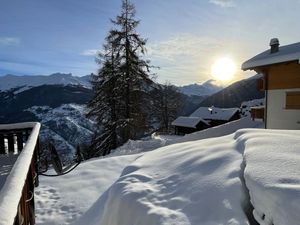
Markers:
<point>258,112</point>
<point>19,146</point>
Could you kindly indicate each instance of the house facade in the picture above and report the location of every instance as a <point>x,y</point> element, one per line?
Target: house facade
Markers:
<point>281,82</point>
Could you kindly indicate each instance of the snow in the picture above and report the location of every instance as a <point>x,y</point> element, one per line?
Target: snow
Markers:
<point>61,200</point>
<point>214,113</point>
<point>285,54</point>
<point>202,182</point>
<point>255,103</point>
<point>26,82</point>
<point>201,178</point>
<point>11,191</point>
<point>55,197</point>
<point>188,121</point>
<point>189,183</point>
<point>272,174</point>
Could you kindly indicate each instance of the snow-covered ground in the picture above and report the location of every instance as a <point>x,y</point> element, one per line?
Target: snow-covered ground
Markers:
<point>61,200</point>
<point>194,180</point>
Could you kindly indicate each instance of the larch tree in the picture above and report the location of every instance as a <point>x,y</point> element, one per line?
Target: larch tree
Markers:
<point>121,86</point>
<point>103,106</point>
<point>134,72</point>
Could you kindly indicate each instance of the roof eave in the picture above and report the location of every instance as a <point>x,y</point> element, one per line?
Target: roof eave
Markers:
<point>252,64</point>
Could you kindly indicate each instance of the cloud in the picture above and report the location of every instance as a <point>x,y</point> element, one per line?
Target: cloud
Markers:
<point>183,45</point>
<point>9,41</point>
<point>184,55</point>
<point>223,3</point>
<point>90,52</point>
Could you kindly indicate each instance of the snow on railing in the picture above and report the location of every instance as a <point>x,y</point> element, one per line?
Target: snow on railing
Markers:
<point>16,195</point>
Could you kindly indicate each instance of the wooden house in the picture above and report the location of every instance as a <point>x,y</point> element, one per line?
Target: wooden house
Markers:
<point>186,125</point>
<point>217,116</point>
<point>281,82</point>
<point>203,118</point>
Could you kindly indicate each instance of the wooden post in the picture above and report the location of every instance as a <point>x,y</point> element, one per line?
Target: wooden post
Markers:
<point>2,144</point>
<point>20,141</point>
<point>11,144</point>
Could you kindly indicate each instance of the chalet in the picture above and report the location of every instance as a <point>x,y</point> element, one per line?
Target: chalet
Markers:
<point>281,83</point>
<point>204,118</point>
<point>217,116</point>
<point>19,147</point>
<point>187,125</point>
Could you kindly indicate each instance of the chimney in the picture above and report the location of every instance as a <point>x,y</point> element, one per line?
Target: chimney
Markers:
<point>274,43</point>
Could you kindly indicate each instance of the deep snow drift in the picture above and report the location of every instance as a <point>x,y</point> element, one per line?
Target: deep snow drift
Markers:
<point>194,182</point>
<point>200,182</point>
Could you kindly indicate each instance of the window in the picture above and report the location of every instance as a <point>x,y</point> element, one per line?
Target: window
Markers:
<point>293,100</point>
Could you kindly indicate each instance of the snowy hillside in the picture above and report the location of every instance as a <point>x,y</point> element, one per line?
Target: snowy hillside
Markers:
<point>25,82</point>
<point>66,126</point>
<point>246,106</point>
<point>207,88</point>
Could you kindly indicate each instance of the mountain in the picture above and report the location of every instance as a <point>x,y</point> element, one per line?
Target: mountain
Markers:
<point>234,94</point>
<point>205,89</point>
<point>26,82</point>
<point>60,109</point>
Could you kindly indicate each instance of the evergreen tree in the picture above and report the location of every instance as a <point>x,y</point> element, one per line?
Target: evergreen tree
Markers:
<point>134,71</point>
<point>168,103</point>
<point>103,106</point>
<point>121,86</point>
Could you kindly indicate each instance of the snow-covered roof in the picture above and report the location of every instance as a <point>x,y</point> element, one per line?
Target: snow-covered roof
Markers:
<point>11,190</point>
<point>286,53</point>
<point>214,113</point>
<point>191,122</point>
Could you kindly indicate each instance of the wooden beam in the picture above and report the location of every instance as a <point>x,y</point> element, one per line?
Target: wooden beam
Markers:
<point>11,144</point>
<point>2,144</point>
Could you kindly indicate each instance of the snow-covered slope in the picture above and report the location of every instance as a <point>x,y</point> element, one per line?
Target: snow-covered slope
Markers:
<point>207,88</point>
<point>25,82</point>
<point>65,126</point>
<point>246,106</point>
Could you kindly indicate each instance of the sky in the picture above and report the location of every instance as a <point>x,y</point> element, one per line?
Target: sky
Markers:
<point>185,37</point>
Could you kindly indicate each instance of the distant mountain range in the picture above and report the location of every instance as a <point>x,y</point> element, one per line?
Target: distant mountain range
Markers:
<point>59,102</point>
<point>28,81</point>
<point>22,83</point>
<point>205,89</point>
<point>235,94</point>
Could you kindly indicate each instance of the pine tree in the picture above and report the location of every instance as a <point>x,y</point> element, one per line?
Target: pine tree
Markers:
<point>168,103</point>
<point>121,86</point>
<point>103,107</point>
<point>134,71</point>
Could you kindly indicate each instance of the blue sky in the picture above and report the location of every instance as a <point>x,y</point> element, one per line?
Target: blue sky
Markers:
<point>184,37</point>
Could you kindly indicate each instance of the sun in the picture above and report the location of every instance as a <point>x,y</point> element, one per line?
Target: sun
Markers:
<point>223,69</point>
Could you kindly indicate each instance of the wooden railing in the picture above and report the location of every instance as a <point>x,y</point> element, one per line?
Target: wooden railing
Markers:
<point>258,112</point>
<point>17,194</point>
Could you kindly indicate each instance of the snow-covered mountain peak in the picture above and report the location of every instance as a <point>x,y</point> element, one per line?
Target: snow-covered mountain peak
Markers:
<point>27,81</point>
<point>208,87</point>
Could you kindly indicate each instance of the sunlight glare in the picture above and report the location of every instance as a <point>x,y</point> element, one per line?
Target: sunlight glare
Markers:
<point>223,69</point>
